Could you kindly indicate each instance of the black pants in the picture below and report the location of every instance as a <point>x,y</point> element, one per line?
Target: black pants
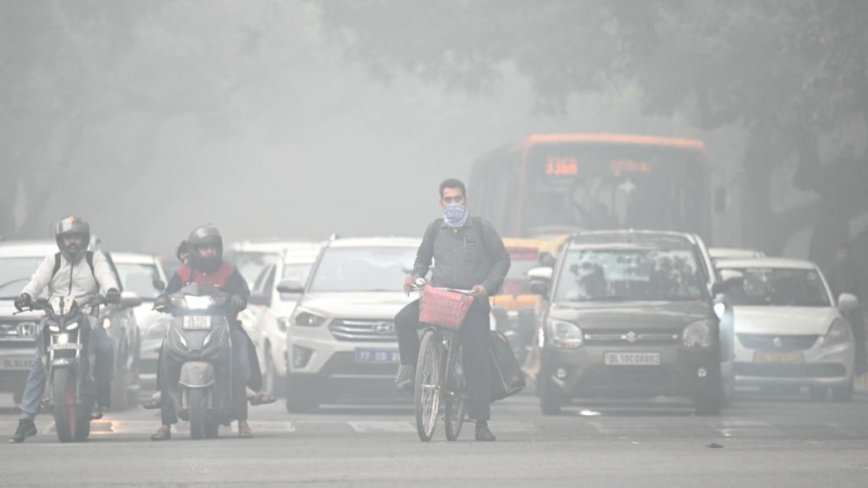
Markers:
<point>474,337</point>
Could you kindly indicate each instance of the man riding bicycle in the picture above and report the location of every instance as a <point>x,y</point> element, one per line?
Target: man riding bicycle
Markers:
<point>469,254</point>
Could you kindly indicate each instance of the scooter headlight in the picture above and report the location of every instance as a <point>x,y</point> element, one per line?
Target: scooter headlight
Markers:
<point>198,303</point>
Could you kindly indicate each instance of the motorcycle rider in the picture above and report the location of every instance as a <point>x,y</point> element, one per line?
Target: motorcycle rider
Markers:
<point>205,266</point>
<point>255,398</point>
<point>74,271</point>
<point>469,254</point>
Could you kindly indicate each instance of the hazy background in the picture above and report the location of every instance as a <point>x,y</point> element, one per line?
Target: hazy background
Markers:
<point>303,118</point>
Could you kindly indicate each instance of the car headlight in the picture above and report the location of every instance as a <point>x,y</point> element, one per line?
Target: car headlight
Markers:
<point>697,334</point>
<point>719,310</point>
<point>839,333</point>
<point>305,318</point>
<point>565,335</point>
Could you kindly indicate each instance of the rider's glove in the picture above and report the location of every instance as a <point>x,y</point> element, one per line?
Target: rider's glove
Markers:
<point>113,296</point>
<point>236,302</point>
<point>23,301</point>
<point>162,302</point>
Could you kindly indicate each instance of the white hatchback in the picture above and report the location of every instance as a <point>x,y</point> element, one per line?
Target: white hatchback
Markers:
<point>789,329</point>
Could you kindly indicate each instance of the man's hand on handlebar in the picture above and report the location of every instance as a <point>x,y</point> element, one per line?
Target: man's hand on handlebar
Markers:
<point>408,283</point>
<point>113,296</point>
<point>23,301</point>
<point>161,303</point>
<point>480,291</point>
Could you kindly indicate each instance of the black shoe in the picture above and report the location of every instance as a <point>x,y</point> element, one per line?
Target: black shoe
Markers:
<point>483,434</point>
<point>26,428</point>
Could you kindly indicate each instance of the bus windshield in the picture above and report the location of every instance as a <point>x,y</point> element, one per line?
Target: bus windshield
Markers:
<point>597,186</point>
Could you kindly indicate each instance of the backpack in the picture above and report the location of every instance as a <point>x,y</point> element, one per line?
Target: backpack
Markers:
<point>88,256</point>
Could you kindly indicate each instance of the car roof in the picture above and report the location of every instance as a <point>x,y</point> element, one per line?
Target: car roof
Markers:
<point>634,238</point>
<point>784,263</point>
<point>376,242</point>
<point>25,249</point>
<point>734,253</point>
<point>132,258</point>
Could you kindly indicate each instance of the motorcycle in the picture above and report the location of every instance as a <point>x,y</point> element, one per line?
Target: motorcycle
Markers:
<point>199,341</point>
<point>68,345</point>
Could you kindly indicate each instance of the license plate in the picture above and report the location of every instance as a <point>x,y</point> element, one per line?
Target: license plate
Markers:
<point>631,359</point>
<point>377,356</point>
<point>67,346</point>
<point>195,322</point>
<point>778,357</point>
<point>15,364</point>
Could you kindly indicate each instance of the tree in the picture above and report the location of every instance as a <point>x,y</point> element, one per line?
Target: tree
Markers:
<point>791,72</point>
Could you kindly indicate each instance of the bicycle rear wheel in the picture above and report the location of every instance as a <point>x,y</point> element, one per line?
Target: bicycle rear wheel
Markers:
<point>428,384</point>
<point>456,402</point>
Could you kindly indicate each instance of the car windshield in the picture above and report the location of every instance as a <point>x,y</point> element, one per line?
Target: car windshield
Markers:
<point>629,275</point>
<point>298,271</point>
<point>362,269</point>
<point>15,273</point>
<point>139,279</point>
<point>769,287</point>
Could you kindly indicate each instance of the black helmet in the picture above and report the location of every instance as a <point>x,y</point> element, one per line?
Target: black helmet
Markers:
<point>68,227</point>
<point>207,235</point>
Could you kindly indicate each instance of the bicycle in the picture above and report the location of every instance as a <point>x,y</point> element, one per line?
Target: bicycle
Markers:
<point>439,378</point>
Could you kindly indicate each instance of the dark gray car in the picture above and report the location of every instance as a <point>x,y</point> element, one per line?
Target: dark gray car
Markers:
<point>631,315</point>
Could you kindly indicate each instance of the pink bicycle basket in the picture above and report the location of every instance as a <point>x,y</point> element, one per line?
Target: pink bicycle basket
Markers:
<point>443,308</point>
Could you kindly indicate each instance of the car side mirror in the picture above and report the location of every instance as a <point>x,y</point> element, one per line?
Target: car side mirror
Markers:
<point>159,285</point>
<point>848,302</point>
<point>290,286</point>
<point>540,280</point>
<point>130,300</point>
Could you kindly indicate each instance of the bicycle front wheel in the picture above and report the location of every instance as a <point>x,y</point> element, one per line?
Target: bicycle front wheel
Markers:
<point>428,385</point>
<point>456,402</point>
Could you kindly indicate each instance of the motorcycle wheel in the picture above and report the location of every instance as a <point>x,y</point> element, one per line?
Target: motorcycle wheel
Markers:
<point>64,406</point>
<point>212,429</point>
<point>197,413</point>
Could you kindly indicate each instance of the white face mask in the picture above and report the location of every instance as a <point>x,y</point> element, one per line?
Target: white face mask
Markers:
<point>455,215</point>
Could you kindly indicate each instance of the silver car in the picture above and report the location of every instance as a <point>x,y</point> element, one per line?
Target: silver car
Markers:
<point>789,329</point>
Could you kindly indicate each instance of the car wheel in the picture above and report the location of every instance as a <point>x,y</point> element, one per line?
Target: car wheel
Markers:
<point>843,393</point>
<point>709,399</point>
<point>819,393</point>
<point>300,396</point>
<point>550,399</point>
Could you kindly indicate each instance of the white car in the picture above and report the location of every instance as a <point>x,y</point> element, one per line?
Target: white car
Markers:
<point>341,337</point>
<point>252,257</point>
<point>790,330</point>
<point>269,311</point>
<point>144,275</point>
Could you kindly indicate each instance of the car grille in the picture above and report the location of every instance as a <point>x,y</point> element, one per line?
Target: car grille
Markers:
<point>625,336</point>
<point>790,370</point>
<point>764,342</point>
<point>18,333</point>
<point>363,330</point>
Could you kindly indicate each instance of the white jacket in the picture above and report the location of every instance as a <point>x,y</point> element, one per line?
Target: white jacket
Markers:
<point>73,279</point>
